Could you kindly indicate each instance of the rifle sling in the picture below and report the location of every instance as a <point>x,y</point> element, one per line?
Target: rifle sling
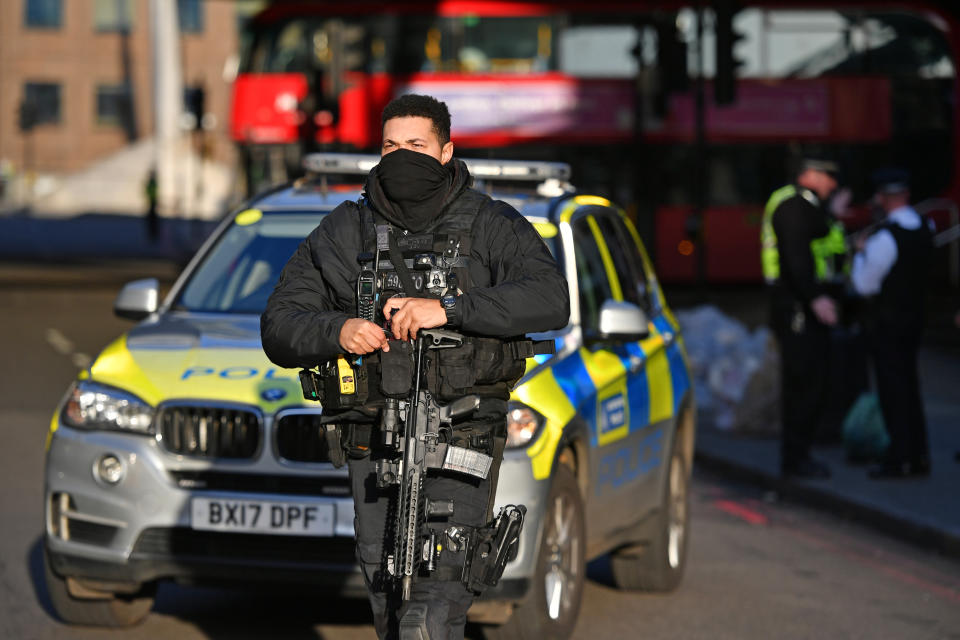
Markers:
<point>396,258</point>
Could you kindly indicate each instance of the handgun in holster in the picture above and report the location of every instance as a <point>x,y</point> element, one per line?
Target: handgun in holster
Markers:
<point>492,548</point>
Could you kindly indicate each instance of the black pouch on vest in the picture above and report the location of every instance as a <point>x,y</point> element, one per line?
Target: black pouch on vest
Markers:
<point>396,369</point>
<point>497,362</point>
<point>456,370</point>
<point>514,367</point>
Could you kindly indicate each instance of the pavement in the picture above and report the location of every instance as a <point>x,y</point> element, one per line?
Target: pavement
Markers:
<point>107,250</point>
<point>920,510</point>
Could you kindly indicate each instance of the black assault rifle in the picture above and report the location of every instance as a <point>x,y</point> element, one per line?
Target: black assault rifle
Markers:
<point>420,418</point>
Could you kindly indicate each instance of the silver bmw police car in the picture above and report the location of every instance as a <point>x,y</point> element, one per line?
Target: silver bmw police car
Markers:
<point>182,453</point>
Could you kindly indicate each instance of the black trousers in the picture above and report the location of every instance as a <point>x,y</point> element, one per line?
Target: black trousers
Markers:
<point>848,377</point>
<point>447,601</point>
<point>804,355</point>
<point>894,352</point>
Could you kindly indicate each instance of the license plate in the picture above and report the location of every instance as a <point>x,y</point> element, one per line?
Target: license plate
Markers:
<point>262,516</point>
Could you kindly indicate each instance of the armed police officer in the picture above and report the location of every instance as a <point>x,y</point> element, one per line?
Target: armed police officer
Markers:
<point>421,258</point>
<point>798,244</point>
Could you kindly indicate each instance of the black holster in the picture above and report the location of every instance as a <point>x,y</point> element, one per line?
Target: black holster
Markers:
<point>332,435</point>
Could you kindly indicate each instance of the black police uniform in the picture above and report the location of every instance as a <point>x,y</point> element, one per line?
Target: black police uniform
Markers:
<point>515,287</point>
<point>804,340</point>
<point>895,324</point>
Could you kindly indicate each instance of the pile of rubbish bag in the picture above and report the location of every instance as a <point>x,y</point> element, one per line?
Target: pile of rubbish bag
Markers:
<point>736,372</point>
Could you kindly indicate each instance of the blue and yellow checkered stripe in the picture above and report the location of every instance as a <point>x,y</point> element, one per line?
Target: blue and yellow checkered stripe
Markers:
<point>583,381</point>
<point>590,383</point>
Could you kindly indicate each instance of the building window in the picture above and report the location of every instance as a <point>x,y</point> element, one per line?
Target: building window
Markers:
<point>113,15</point>
<point>42,99</point>
<point>113,104</point>
<point>190,14</point>
<point>43,14</point>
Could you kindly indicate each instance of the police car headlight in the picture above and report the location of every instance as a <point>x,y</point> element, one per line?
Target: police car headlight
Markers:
<point>97,406</point>
<point>523,424</point>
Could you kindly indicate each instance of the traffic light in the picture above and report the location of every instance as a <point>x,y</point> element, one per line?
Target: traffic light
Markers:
<point>673,76</point>
<point>725,82</point>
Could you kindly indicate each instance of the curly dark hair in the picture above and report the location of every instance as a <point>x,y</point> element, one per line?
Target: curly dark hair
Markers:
<point>421,106</point>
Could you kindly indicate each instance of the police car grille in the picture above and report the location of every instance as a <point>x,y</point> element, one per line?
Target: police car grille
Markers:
<point>209,432</point>
<point>182,542</point>
<point>300,438</point>
<point>301,485</point>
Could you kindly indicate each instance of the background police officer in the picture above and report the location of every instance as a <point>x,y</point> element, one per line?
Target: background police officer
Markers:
<point>515,287</point>
<point>798,241</point>
<point>890,268</point>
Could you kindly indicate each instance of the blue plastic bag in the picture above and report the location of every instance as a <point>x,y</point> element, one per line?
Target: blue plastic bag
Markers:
<point>865,436</point>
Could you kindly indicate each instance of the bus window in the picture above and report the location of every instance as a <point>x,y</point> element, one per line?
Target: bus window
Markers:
<point>501,45</point>
<point>305,45</point>
<point>290,50</point>
<point>474,45</point>
<point>602,50</point>
<point>413,38</point>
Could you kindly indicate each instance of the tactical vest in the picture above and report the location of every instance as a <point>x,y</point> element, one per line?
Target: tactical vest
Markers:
<point>900,301</point>
<point>825,250</point>
<point>437,263</point>
<point>448,241</point>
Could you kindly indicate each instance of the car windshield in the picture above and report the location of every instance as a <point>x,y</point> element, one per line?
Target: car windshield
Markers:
<point>238,274</point>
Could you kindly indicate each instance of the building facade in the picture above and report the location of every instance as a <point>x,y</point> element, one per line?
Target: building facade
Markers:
<point>76,83</point>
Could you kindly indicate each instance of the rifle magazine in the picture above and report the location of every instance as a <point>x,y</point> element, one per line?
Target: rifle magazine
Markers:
<point>467,461</point>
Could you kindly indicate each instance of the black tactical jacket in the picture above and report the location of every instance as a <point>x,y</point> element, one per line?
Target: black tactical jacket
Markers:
<point>517,287</point>
<point>797,223</point>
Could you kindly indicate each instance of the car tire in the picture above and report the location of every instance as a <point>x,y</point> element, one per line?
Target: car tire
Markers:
<point>113,610</point>
<point>551,608</point>
<point>659,564</point>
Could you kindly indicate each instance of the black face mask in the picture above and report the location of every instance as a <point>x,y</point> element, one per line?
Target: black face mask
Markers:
<point>416,184</point>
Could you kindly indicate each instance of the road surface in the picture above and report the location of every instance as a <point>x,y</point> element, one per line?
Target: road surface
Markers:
<point>757,568</point>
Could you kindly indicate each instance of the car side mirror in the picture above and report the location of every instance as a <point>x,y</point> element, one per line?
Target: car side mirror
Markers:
<point>137,299</point>
<point>623,321</point>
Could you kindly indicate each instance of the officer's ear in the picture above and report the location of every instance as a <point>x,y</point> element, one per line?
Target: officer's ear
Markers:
<point>446,152</point>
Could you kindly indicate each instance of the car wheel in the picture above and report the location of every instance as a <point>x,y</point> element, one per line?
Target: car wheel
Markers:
<point>659,564</point>
<point>552,606</point>
<point>111,610</point>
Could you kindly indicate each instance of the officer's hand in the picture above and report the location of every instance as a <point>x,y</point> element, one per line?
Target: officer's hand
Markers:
<point>409,315</point>
<point>825,309</point>
<point>840,203</point>
<point>362,336</point>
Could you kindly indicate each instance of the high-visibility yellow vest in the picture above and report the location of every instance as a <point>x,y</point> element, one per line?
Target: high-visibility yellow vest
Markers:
<point>823,249</point>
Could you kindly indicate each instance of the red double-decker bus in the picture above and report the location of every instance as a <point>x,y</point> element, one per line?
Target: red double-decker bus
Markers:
<point>612,88</point>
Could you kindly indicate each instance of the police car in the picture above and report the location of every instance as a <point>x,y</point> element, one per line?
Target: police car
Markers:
<point>182,453</point>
